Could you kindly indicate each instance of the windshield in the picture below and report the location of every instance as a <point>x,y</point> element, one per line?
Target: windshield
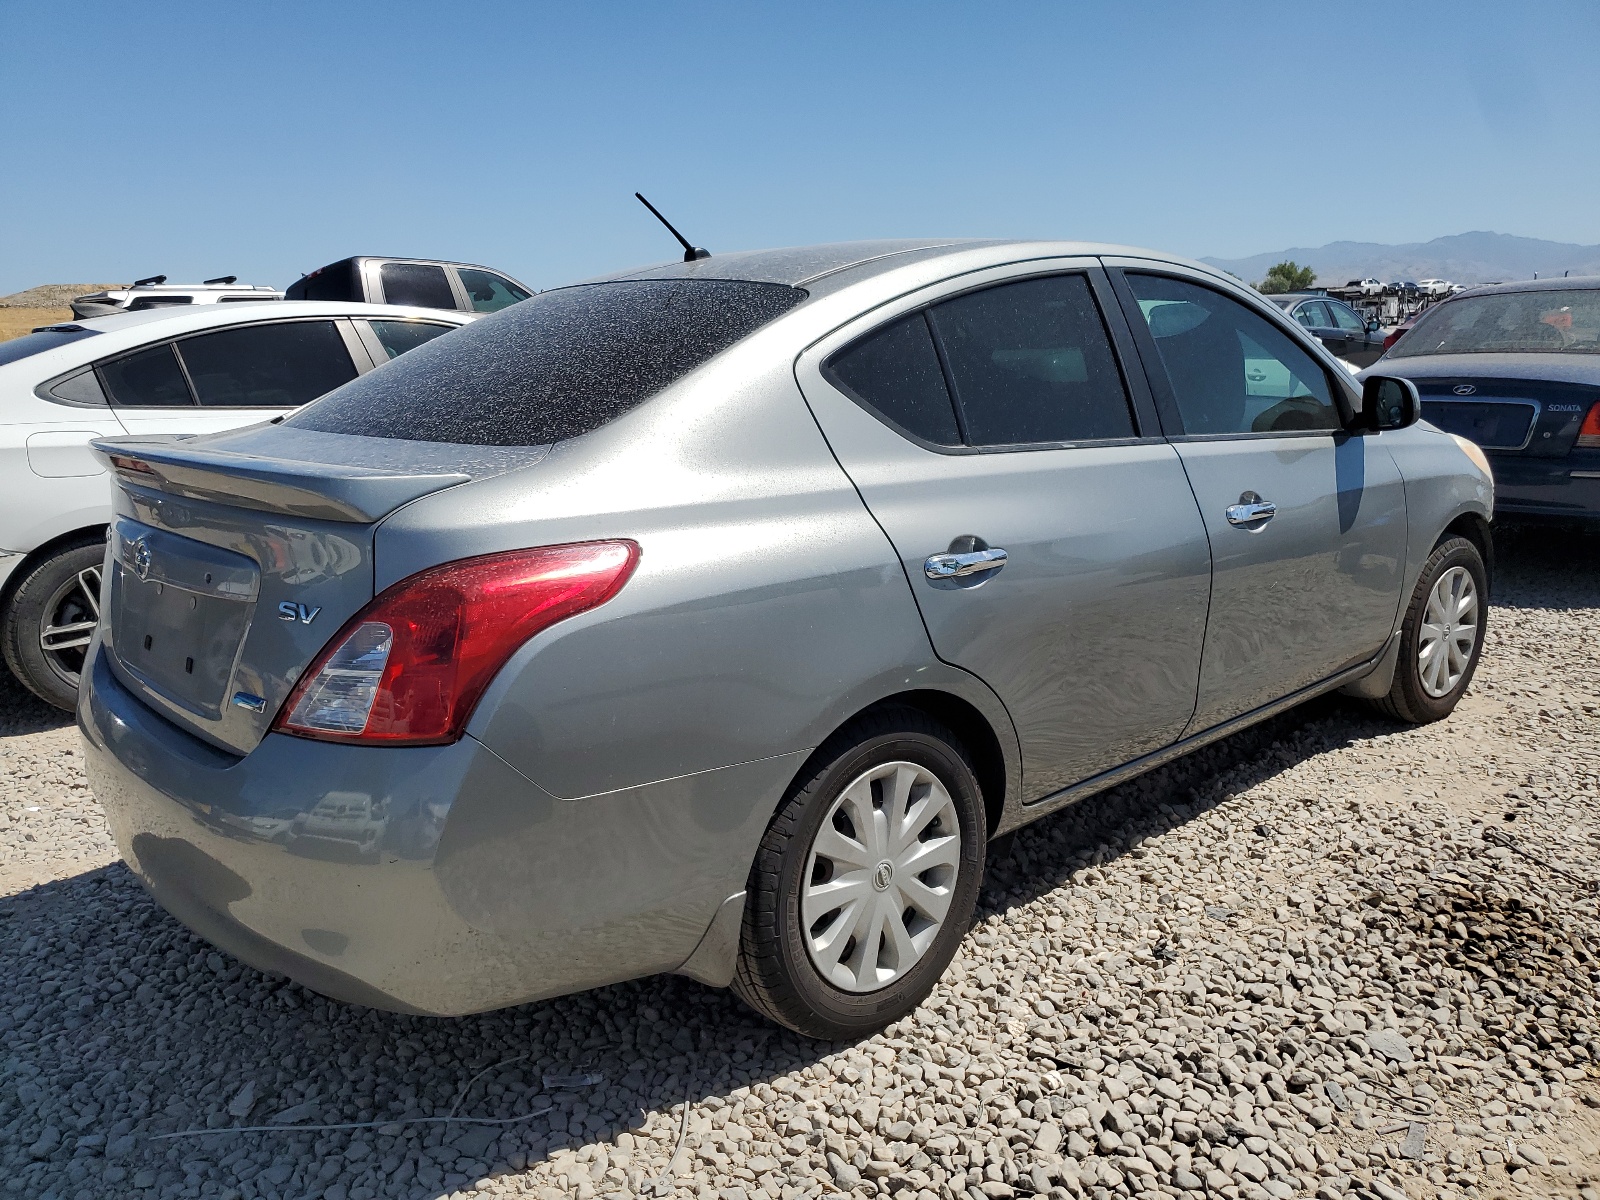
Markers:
<point>30,344</point>
<point>555,366</point>
<point>1541,322</point>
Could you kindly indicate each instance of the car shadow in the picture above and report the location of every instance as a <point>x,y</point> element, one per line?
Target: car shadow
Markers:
<point>105,993</point>
<point>23,712</point>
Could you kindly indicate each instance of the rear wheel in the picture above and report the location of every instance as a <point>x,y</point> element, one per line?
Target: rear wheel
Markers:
<point>50,619</point>
<point>1442,637</point>
<point>865,880</point>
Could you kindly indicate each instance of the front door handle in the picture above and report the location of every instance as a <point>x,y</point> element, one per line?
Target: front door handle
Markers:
<point>1251,510</point>
<point>956,566</point>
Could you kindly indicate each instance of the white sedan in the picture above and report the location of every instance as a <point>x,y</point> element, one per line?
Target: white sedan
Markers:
<point>191,370</point>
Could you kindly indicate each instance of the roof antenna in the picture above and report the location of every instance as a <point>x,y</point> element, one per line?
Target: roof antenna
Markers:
<point>690,252</point>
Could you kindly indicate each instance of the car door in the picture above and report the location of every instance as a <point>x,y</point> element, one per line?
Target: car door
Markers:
<point>1315,316</point>
<point>227,377</point>
<point>1048,533</point>
<point>1362,346</point>
<point>1307,521</point>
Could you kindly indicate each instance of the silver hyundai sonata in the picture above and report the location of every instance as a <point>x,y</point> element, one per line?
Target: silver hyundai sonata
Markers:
<point>712,618</point>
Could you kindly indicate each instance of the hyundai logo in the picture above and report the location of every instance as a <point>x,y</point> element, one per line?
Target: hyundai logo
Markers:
<point>141,558</point>
<point>1464,389</point>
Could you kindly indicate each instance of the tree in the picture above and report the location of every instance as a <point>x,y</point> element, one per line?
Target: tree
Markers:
<point>1288,276</point>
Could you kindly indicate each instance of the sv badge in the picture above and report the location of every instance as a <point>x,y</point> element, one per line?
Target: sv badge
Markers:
<point>290,611</point>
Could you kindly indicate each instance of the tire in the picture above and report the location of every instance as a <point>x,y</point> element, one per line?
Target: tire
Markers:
<point>61,592</point>
<point>803,963</point>
<point>1427,686</point>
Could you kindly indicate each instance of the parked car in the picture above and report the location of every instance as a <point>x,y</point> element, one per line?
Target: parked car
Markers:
<point>1367,287</point>
<point>1400,330</point>
<point>423,283</point>
<point>724,610</point>
<point>1434,287</point>
<point>1351,336</point>
<point>156,292</point>
<point>188,370</point>
<point>1516,368</point>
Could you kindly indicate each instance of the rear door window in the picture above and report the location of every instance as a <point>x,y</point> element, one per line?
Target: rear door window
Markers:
<point>487,291</point>
<point>417,284</point>
<point>1313,314</point>
<point>556,366</point>
<point>894,372</point>
<point>396,337</point>
<point>149,379</point>
<point>281,365</point>
<point>1031,362</point>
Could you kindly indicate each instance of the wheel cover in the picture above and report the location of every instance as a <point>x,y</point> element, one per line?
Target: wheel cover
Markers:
<point>69,621</point>
<point>880,876</point>
<point>1449,632</point>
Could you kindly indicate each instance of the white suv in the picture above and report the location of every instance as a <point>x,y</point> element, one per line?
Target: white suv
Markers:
<point>156,292</point>
<point>164,370</point>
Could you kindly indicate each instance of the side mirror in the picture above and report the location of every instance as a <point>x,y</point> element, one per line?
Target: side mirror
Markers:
<point>1388,402</point>
<point>1373,325</point>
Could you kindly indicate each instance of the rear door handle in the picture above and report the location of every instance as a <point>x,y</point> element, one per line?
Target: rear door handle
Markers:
<point>1252,512</point>
<point>955,566</point>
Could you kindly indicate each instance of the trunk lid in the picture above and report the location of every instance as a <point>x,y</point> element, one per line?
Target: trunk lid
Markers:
<point>234,557</point>
<point>1527,404</point>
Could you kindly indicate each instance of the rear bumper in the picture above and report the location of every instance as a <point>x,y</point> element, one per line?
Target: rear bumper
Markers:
<point>1548,487</point>
<point>433,880</point>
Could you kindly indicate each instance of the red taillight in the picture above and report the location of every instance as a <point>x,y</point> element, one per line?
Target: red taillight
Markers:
<point>1392,337</point>
<point>409,668</point>
<point>1589,431</point>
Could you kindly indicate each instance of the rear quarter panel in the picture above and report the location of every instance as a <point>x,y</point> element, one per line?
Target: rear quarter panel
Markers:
<point>767,606</point>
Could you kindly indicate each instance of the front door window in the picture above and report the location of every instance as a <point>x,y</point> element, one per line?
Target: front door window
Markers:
<point>1231,370</point>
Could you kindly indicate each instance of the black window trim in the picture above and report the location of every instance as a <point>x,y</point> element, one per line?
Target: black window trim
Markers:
<point>44,390</point>
<point>1141,406</point>
<point>1346,399</point>
<point>362,362</point>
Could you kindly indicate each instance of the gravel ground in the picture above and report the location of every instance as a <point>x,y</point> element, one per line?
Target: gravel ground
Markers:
<point>1328,957</point>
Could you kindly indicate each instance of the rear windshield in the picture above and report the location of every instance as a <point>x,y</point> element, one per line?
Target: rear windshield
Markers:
<point>44,339</point>
<point>556,366</point>
<point>1540,322</point>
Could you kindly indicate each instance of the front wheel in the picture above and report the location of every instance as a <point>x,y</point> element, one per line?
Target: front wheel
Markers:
<point>865,881</point>
<point>1442,637</point>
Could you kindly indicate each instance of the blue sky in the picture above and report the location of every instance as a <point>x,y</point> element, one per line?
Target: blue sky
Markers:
<point>267,139</point>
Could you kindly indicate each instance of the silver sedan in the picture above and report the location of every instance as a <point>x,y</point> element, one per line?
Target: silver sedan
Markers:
<point>713,618</point>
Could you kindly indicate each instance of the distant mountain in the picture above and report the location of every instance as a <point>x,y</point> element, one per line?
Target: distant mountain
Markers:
<point>53,295</point>
<point>1463,257</point>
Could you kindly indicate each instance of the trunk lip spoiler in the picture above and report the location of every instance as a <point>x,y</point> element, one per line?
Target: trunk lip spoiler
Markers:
<point>317,490</point>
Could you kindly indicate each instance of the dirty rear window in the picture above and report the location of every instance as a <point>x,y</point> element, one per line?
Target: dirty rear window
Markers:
<point>1533,322</point>
<point>556,366</point>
